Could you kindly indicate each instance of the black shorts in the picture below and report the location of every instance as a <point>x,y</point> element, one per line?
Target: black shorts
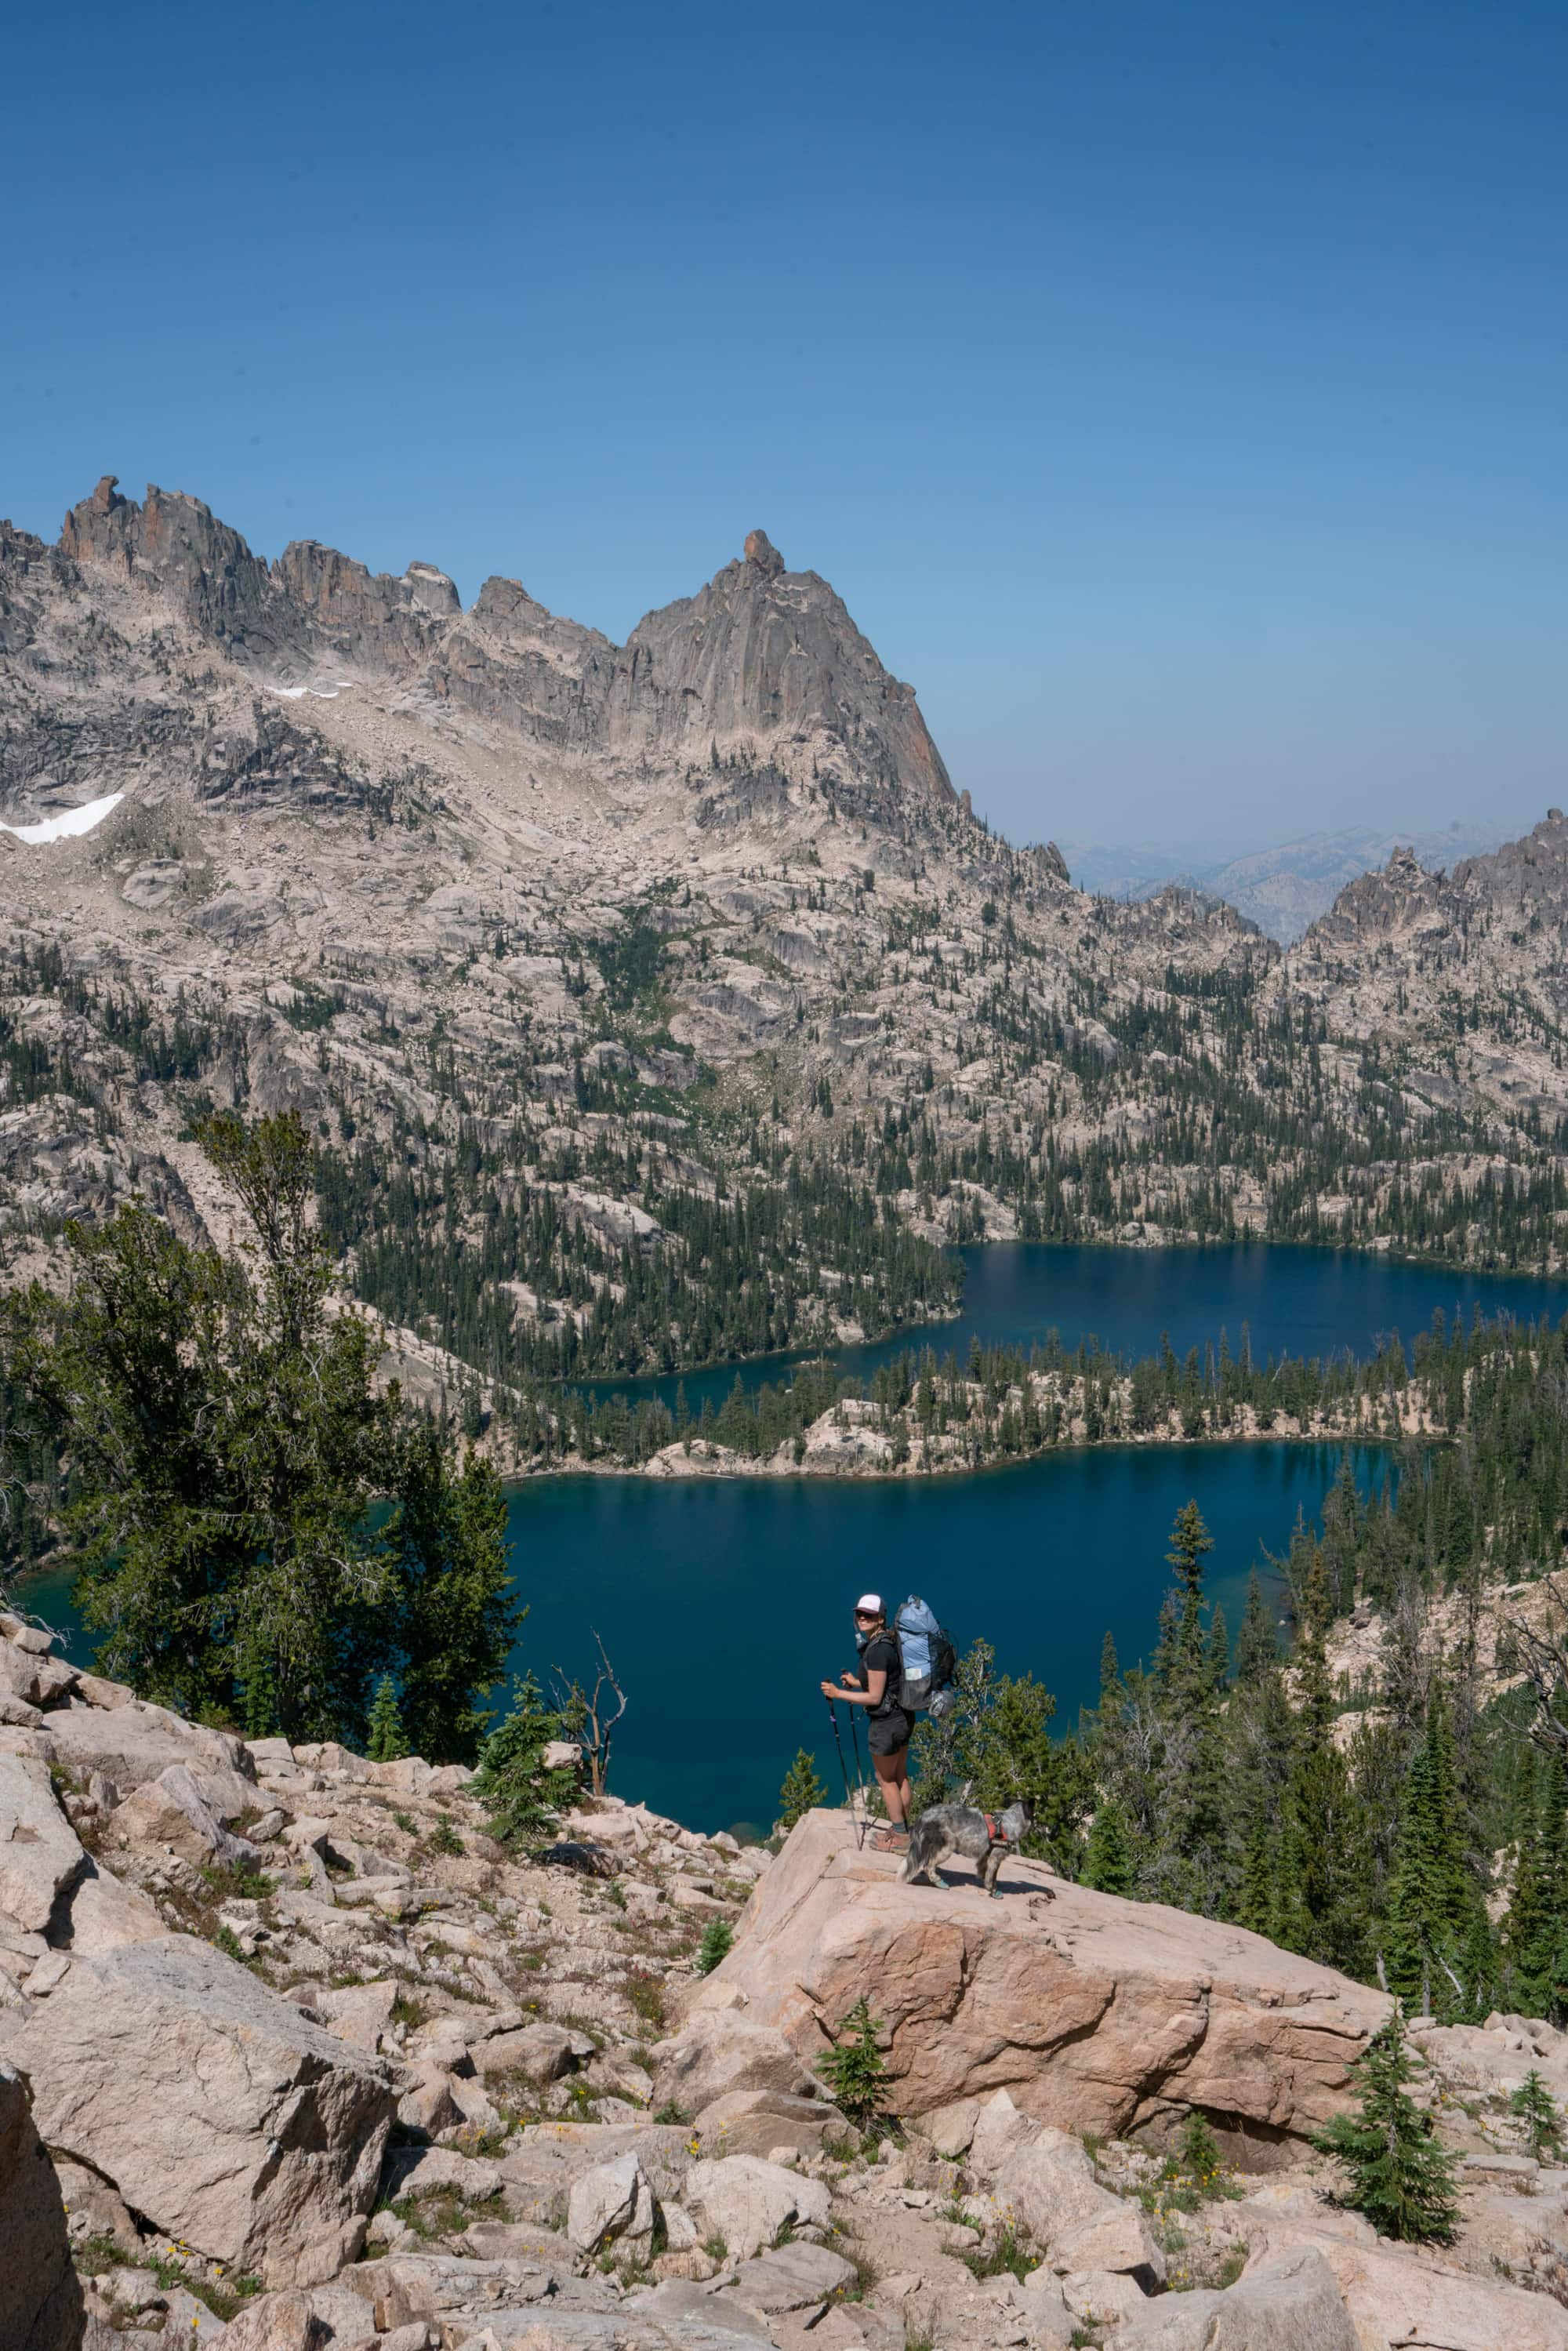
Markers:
<point>888,1734</point>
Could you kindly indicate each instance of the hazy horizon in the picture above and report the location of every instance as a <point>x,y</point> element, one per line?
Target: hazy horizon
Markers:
<point>1174,397</point>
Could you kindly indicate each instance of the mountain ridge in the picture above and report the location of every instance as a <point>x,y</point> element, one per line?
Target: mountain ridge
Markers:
<point>658,1003</point>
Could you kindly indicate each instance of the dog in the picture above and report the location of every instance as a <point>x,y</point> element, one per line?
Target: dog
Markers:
<point>984,1838</point>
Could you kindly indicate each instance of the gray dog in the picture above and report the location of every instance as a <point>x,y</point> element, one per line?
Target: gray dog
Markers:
<point>986,1838</point>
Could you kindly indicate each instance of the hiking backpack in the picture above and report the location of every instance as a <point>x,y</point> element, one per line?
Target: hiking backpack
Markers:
<point>927,1661</point>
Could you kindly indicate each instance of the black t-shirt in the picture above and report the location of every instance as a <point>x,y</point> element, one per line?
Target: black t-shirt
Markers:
<point>882,1650</point>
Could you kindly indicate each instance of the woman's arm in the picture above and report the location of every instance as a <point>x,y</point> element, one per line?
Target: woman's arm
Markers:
<point>876,1683</point>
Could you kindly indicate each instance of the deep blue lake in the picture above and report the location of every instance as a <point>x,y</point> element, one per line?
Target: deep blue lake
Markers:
<point>1291,1299</point>
<point>723,1603</point>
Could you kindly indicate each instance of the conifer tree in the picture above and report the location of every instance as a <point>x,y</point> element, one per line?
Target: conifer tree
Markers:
<point>855,2068</point>
<point>1401,2175</point>
<point>718,1936</point>
<point>1257,1650</point>
<point>1535,2105</point>
<point>1256,1896</point>
<point>1433,1900</point>
<point>801,1790</point>
<point>386,1741</point>
<point>1324,1860</point>
<point>1111,1692</point>
<point>1108,1857</point>
<point>521,1797</point>
<point>1535,1929</point>
<point>1190,1544</point>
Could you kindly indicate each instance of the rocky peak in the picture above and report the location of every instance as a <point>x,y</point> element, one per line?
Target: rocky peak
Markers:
<point>764,663</point>
<point>431,589</point>
<point>173,546</point>
<point>761,551</point>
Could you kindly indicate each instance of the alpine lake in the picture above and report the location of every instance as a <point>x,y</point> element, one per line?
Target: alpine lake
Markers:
<point>723,1603</point>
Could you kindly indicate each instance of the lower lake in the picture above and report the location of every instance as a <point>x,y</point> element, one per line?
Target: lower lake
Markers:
<point>723,1603</point>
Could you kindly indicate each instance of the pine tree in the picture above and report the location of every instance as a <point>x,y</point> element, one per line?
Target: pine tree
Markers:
<point>1257,1650</point>
<point>1325,1865</point>
<point>854,2069</point>
<point>1256,1896</point>
<point>801,1791</point>
<point>1401,2175</point>
<point>718,1936</point>
<point>1190,1543</point>
<point>1433,1900</point>
<point>1111,1692</point>
<point>521,1797</point>
<point>1108,1857</point>
<point>386,1741</point>
<point>1535,2104</point>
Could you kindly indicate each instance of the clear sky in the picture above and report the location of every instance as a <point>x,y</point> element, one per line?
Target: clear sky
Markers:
<point>1174,390</point>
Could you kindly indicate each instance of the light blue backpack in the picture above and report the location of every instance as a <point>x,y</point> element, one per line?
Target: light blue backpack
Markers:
<point>927,1661</point>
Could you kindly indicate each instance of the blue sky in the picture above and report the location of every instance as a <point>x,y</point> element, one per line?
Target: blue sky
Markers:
<point>1176,393</point>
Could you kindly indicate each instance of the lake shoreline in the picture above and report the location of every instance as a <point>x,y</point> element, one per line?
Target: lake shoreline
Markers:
<point>703,1461</point>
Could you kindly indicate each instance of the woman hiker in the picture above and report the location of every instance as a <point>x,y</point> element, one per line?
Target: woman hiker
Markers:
<point>875,1686</point>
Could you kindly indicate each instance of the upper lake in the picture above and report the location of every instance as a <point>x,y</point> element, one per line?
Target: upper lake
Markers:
<point>723,1603</point>
<point>1291,1300</point>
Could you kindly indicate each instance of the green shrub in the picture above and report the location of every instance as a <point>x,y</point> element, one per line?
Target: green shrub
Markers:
<point>1533,2102</point>
<point>718,1936</point>
<point>522,1798</point>
<point>854,2069</point>
<point>1401,2176</point>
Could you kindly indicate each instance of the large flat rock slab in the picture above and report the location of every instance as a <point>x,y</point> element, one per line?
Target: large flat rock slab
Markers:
<point>219,2111</point>
<point>1096,2014</point>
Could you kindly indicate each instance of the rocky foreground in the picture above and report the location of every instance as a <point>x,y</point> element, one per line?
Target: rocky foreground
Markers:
<point>292,2054</point>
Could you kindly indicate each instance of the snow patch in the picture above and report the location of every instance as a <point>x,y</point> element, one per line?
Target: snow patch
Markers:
<point>317,692</point>
<point>70,822</point>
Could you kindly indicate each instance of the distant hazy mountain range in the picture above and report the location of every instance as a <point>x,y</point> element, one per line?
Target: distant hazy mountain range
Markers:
<point>1282,890</point>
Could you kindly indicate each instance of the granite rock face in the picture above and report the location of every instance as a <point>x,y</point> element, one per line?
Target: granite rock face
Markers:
<point>40,2300</point>
<point>1095,2014</point>
<point>215,2107</point>
<point>762,663</point>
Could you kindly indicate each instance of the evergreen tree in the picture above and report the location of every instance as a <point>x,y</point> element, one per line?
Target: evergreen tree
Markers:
<point>1257,1898</point>
<point>1435,1906</point>
<point>522,1798</point>
<point>1325,1866</point>
<point>1401,2175</point>
<point>1108,1856</point>
<point>229,1446</point>
<point>1536,2107</point>
<point>854,2069</point>
<point>1190,1544</point>
<point>801,1791</point>
<point>456,1620</point>
<point>718,1936</point>
<point>1111,1691</point>
<point>1257,1650</point>
<point>386,1741</point>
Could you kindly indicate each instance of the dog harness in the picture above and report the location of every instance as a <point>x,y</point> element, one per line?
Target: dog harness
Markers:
<point>994,1835</point>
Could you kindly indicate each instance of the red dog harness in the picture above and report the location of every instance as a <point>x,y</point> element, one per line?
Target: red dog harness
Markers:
<point>994,1835</point>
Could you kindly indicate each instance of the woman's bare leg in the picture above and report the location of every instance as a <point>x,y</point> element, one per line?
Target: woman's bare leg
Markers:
<point>893,1781</point>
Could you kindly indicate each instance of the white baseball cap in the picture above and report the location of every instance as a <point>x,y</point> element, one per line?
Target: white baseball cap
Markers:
<point>869,1604</point>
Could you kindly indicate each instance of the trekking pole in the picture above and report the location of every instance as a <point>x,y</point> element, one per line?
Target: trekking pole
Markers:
<point>864,1821</point>
<point>845,1769</point>
<point>837,1742</point>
